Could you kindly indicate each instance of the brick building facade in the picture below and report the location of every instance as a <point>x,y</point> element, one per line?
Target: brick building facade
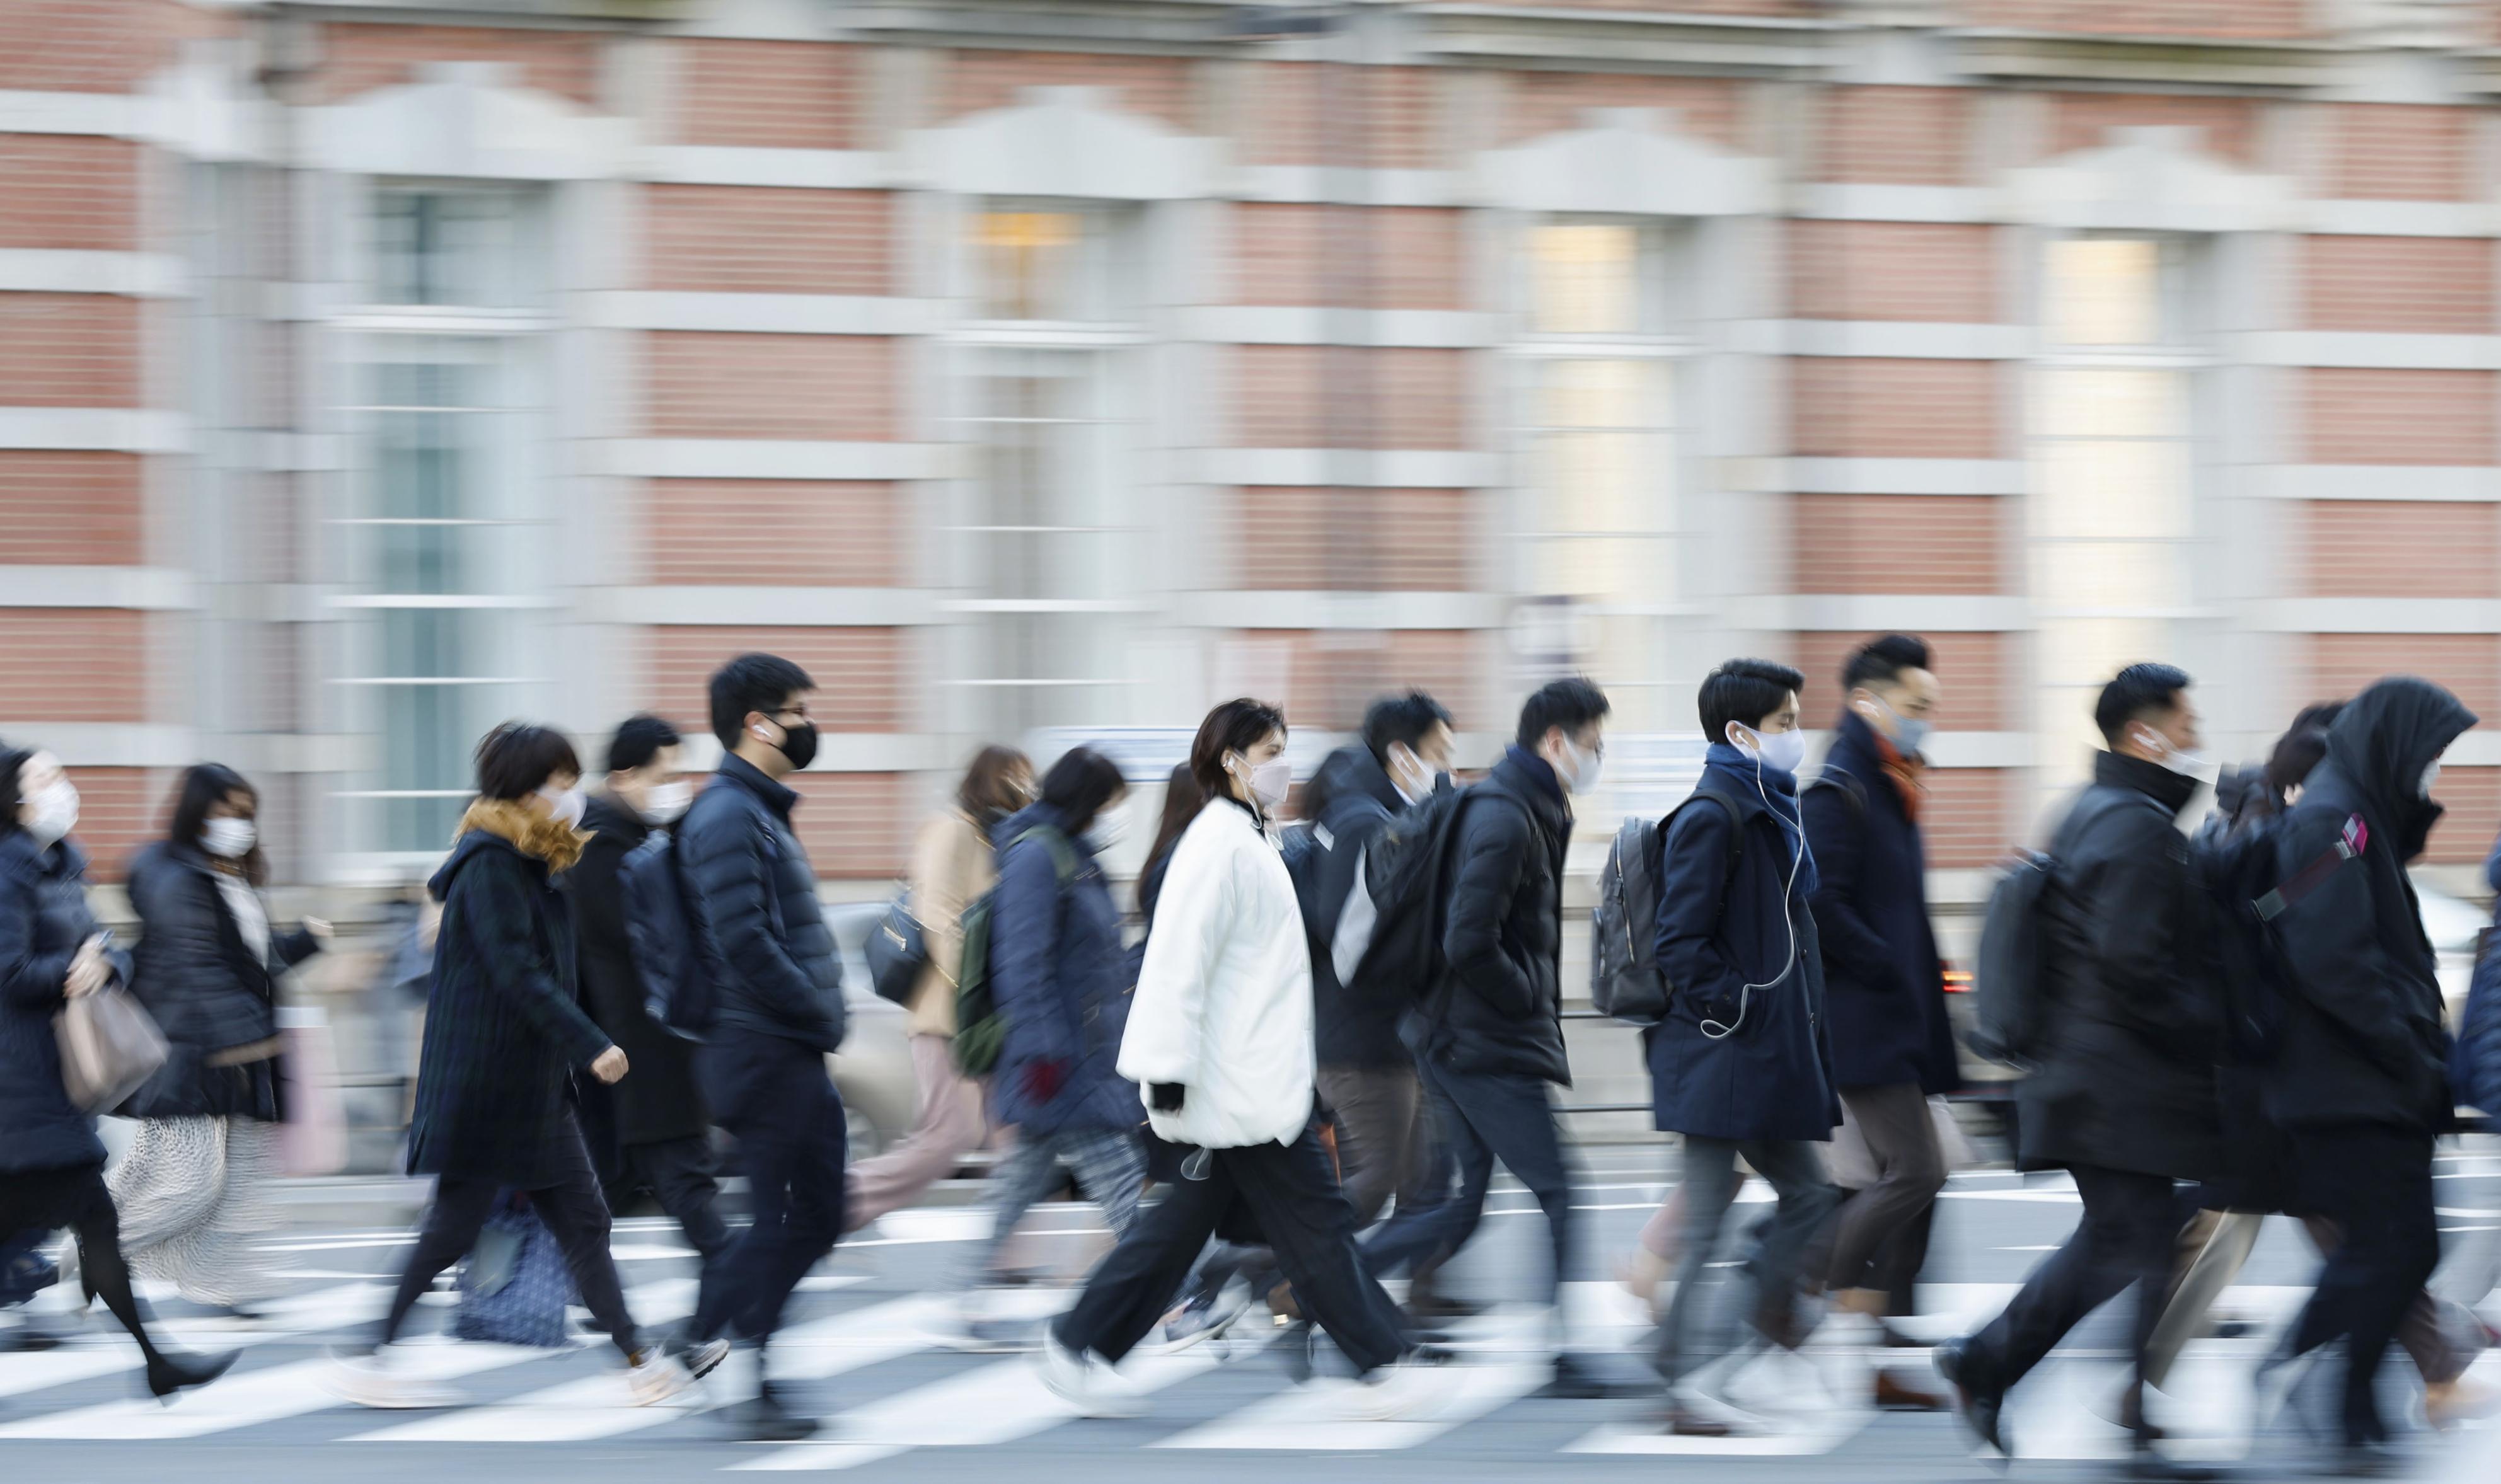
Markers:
<point>370,372</point>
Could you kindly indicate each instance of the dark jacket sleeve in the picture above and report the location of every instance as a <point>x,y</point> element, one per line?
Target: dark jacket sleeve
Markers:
<point>599,930</point>
<point>28,975</point>
<point>1492,857</point>
<point>289,949</point>
<point>496,904</point>
<point>188,969</point>
<point>2330,935</point>
<point>1836,830</point>
<point>2143,934</point>
<point>1693,877</point>
<point>1024,959</point>
<point>732,867</point>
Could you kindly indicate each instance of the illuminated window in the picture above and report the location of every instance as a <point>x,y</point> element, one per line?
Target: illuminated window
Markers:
<point>1053,262</point>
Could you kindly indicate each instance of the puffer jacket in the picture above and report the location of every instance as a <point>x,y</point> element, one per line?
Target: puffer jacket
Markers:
<point>205,989</point>
<point>1497,1003</point>
<point>773,957</point>
<point>1059,976</point>
<point>1224,1003</point>
<point>43,918</point>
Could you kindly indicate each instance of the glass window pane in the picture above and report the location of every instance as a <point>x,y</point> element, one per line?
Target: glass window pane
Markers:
<point>1588,278</point>
<point>2105,291</point>
<point>1029,264</point>
<point>447,247</point>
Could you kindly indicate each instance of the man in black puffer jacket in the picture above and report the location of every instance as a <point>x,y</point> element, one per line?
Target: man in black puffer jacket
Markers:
<point>1488,1034</point>
<point>780,992</point>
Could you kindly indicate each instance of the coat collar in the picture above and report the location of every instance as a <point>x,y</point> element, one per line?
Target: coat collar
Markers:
<point>779,798</point>
<point>1531,779</point>
<point>608,816</point>
<point>21,856</point>
<point>2171,790</point>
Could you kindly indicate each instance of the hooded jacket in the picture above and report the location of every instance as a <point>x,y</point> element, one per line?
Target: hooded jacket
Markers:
<point>43,918</point>
<point>1497,1005</point>
<point>658,1099</point>
<point>1349,800</point>
<point>205,990</point>
<point>1059,976</point>
<point>2365,1041</point>
<point>1223,1004</point>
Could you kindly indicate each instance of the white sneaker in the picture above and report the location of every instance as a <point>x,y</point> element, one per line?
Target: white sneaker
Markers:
<point>655,1378</point>
<point>1085,1382</point>
<point>1707,1402</point>
<point>1402,1391</point>
<point>382,1380</point>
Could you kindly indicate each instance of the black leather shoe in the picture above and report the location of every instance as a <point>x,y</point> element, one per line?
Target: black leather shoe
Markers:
<point>172,1371</point>
<point>764,1419</point>
<point>1979,1405</point>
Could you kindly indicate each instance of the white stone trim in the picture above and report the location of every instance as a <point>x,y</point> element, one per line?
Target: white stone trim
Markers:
<point>1316,183</point>
<point>126,588</point>
<point>2344,348</point>
<point>1291,325</point>
<point>94,429</point>
<point>1888,477</point>
<point>690,604</point>
<point>2157,180</point>
<point>1361,468</point>
<point>764,458</point>
<point>843,752</point>
<point>1942,203</point>
<point>2462,483</point>
<point>2377,615</point>
<point>466,120</point>
<point>629,309</point>
<point>2479,748</point>
<point>2400,218</point>
<point>797,169</point>
<point>1903,339</point>
<point>69,271</point>
<point>1256,609</point>
<point>1062,142</point>
<point>1951,613</point>
<point>1629,162</point>
<point>113,116</point>
<point>106,743</point>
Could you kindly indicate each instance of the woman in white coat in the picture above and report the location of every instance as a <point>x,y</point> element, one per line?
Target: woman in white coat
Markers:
<point>1220,1040</point>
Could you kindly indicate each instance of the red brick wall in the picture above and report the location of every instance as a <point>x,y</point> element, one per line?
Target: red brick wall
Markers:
<point>1893,409</point>
<point>79,510</point>
<point>858,671</point>
<point>1312,114</point>
<point>73,664</point>
<point>853,824</point>
<point>1332,680</point>
<point>1540,103</point>
<point>1420,398</point>
<point>2390,548</point>
<point>735,239</point>
<point>2215,20</point>
<point>2227,127</point>
<point>775,533</point>
<point>68,192</point>
<point>1966,820</point>
<point>1420,539</point>
<point>1975,671</point>
<point>2427,285</point>
<point>709,384</point>
<point>1893,270</point>
<point>357,57</point>
<point>978,80</point>
<point>2371,416</point>
<point>1899,135</point>
<point>1899,544</point>
<point>768,94</point>
<point>1416,255</point>
<point>85,45</point>
<point>68,351</point>
<point>1779,9</point>
<point>2468,663</point>
<point>2465,833</point>
<point>2399,152</point>
<point>119,810</point>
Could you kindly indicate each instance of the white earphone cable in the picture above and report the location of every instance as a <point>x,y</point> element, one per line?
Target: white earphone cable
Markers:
<point>1712,1028</point>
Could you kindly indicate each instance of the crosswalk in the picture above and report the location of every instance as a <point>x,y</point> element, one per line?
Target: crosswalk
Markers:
<point>877,1362</point>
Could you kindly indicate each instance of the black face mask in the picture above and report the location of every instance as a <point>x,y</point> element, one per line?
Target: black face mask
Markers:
<point>799,746</point>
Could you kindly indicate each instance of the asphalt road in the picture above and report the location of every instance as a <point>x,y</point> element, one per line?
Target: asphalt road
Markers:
<point>864,1351</point>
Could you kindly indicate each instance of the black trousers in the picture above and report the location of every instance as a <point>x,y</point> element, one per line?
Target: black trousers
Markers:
<point>776,1098</point>
<point>1292,1192</point>
<point>1484,1117</point>
<point>678,1175</point>
<point>2376,1185</point>
<point>39,1201</point>
<point>2126,1237</point>
<point>574,1212</point>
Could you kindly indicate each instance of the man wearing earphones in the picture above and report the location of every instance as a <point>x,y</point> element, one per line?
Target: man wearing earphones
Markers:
<point>1741,1066</point>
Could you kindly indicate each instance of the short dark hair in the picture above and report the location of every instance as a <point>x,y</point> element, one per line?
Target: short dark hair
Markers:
<point>1571,702</point>
<point>1236,726</point>
<point>751,682</point>
<point>1745,692</point>
<point>984,793</point>
<point>639,738</point>
<point>204,786</point>
<point>517,758</point>
<point>1881,661</point>
<point>1409,720</point>
<point>1080,784</point>
<point>13,764</point>
<point>2134,692</point>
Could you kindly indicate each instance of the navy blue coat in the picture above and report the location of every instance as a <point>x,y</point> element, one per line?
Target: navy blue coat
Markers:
<point>1884,987</point>
<point>1352,1025</point>
<point>1059,976</point>
<point>1772,1077</point>
<point>774,958</point>
<point>42,919</point>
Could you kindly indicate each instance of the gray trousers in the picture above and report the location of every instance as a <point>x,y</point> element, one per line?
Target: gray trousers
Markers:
<point>1385,1136</point>
<point>1910,1170</point>
<point>1711,1181</point>
<point>1111,1169</point>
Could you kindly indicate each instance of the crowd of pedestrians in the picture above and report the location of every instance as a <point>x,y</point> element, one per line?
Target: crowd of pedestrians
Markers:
<point>1342,1013</point>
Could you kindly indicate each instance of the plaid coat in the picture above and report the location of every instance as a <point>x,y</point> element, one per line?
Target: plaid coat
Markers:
<point>503,1032</point>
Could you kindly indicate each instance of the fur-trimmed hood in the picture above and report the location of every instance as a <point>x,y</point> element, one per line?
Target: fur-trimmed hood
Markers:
<point>525,830</point>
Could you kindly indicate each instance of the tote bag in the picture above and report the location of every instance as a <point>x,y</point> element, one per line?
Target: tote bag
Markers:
<point>109,1047</point>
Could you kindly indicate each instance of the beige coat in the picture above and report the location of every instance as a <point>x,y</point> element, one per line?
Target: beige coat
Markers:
<point>951,864</point>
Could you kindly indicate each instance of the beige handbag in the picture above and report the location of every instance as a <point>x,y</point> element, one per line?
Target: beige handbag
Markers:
<point>109,1047</point>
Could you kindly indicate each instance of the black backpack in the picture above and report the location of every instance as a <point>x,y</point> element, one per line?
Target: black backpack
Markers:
<point>2010,988</point>
<point>2259,977</point>
<point>1625,980</point>
<point>664,935</point>
<point>1406,864</point>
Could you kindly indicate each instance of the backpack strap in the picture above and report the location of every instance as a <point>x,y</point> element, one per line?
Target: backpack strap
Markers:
<point>1736,836</point>
<point>2350,842</point>
<point>1063,855</point>
<point>1841,780</point>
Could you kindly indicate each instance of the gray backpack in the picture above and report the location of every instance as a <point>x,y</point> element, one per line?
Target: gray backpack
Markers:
<point>1626,981</point>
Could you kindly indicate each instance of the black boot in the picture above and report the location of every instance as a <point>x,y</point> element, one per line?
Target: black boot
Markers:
<point>1979,1401</point>
<point>172,1371</point>
<point>764,1419</point>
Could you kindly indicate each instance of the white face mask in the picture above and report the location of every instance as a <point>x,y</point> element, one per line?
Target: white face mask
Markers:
<point>229,839</point>
<point>2187,764</point>
<point>1586,768</point>
<point>663,803</point>
<point>1408,774</point>
<point>565,803</point>
<point>1108,829</point>
<point>2431,776</point>
<point>1780,750</point>
<point>1910,733</point>
<point>1269,782</point>
<point>55,812</point>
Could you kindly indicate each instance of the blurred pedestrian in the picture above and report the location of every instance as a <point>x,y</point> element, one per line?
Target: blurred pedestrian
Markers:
<point>1742,1066</point>
<point>51,1163</point>
<point>779,1013</point>
<point>1219,1037</point>
<point>194,1188</point>
<point>1058,976</point>
<point>2124,1098</point>
<point>1891,1042</point>
<point>504,1032</point>
<point>2360,1082</point>
<point>1488,1031</point>
<point>953,864</point>
<point>661,1129</point>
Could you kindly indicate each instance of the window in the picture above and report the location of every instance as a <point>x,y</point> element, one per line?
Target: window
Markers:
<point>441,535</point>
<point>2113,476</point>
